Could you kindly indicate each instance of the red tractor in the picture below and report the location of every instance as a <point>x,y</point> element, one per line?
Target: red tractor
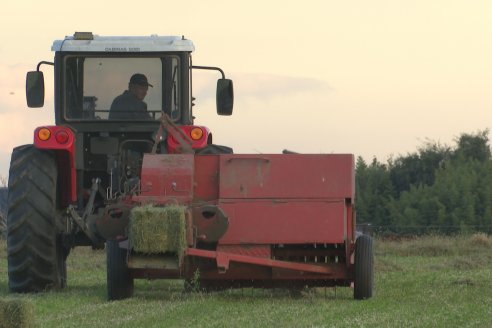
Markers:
<point>147,184</point>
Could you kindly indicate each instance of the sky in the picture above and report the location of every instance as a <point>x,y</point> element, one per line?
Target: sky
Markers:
<point>372,78</point>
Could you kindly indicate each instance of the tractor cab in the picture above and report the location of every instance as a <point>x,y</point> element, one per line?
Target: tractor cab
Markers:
<point>91,71</point>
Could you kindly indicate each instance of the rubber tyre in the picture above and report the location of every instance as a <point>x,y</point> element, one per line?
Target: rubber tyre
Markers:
<point>36,258</point>
<point>119,280</point>
<point>214,150</point>
<point>364,268</point>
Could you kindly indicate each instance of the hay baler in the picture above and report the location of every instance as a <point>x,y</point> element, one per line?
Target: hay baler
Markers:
<point>160,196</point>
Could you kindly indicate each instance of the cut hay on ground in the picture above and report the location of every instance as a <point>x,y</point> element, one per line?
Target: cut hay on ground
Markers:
<point>481,239</point>
<point>155,230</point>
<point>16,313</point>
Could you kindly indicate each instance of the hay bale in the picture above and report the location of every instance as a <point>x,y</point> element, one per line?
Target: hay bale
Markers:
<point>16,313</point>
<point>155,230</point>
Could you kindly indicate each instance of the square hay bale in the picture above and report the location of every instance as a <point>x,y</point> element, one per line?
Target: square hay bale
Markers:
<point>155,230</point>
<point>16,313</point>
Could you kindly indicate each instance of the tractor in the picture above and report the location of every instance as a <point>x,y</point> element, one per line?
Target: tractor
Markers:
<point>158,195</point>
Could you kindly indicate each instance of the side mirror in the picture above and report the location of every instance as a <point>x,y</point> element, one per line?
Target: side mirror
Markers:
<point>225,97</point>
<point>35,89</point>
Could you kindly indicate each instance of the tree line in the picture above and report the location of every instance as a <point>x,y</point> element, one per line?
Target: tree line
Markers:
<point>437,187</point>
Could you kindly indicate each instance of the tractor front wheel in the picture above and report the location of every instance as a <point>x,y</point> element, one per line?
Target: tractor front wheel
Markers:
<point>36,255</point>
<point>119,280</point>
<point>364,268</point>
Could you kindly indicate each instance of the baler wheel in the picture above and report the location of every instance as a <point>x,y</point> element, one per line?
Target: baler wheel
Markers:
<point>364,268</point>
<point>119,280</point>
<point>36,257</point>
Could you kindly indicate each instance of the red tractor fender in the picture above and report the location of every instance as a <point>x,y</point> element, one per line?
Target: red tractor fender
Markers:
<point>61,140</point>
<point>197,136</point>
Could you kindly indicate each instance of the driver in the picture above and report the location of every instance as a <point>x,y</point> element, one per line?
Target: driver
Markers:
<point>130,104</point>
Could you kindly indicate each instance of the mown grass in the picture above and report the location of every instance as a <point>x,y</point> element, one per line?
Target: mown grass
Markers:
<point>423,282</point>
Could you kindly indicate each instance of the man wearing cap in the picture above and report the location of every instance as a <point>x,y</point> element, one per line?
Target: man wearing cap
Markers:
<point>130,104</point>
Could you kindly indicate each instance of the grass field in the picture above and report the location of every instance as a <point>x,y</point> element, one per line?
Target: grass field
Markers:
<point>424,282</point>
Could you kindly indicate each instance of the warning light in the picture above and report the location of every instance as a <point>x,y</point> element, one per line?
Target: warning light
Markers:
<point>83,36</point>
<point>196,133</point>
<point>44,134</point>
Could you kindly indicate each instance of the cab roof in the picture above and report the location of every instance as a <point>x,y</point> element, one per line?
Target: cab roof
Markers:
<point>88,42</point>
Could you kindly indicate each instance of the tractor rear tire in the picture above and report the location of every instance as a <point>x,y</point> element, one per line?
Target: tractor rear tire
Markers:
<point>36,257</point>
<point>364,268</point>
<point>214,150</point>
<point>119,280</point>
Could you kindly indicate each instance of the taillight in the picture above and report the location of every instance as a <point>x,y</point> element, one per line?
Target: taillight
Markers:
<point>61,137</point>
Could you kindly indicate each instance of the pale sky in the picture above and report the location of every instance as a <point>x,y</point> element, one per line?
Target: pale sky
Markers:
<point>372,78</point>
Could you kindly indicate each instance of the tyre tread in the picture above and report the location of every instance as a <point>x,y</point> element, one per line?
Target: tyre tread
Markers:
<point>119,280</point>
<point>32,249</point>
<point>364,268</point>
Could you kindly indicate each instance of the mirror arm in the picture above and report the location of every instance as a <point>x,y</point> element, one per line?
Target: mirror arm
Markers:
<point>44,62</point>
<point>210,68</point>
